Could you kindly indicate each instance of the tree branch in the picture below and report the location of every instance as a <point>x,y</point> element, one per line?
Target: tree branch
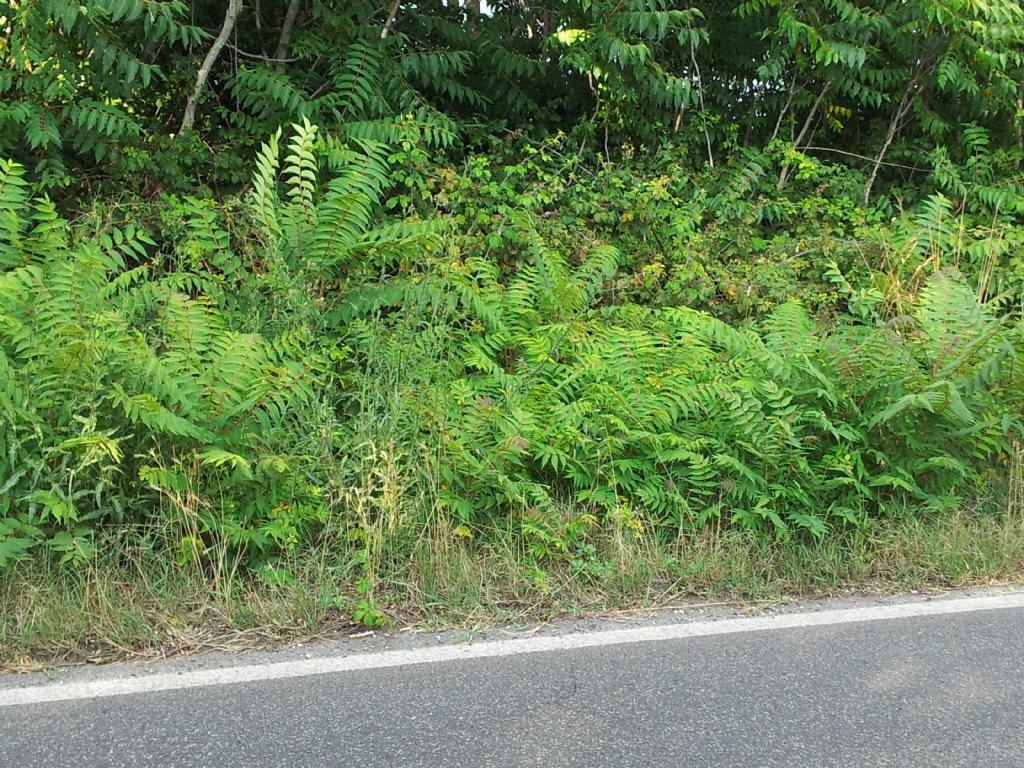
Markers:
<point>230,17</point>
<point>258,56</point>
<point>912,168</point>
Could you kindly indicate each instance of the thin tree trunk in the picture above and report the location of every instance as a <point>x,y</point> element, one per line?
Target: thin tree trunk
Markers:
<point>810,116</point>
<point>784,174</point>
<point>473,15</point>
<point>894,126</point>
<point>392,12</point>
<point>258,19</point>
<point>700,98</point>
<point>1020,122</point>
<point>230,17</point>
<point>785,109</point>
<point>750,124</point>
<point>286,33</point>
<point>546,20</point>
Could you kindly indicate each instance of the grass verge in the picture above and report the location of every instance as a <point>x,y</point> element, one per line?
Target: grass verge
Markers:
<point>120,606</point>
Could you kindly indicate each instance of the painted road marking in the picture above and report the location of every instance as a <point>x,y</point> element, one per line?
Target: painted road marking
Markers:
<point>251,673</point>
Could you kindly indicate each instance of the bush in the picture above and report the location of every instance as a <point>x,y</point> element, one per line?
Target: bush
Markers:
<point>672,417</point>
<point>131,396</point>
<point>289,360</point>
<point>125,393</point>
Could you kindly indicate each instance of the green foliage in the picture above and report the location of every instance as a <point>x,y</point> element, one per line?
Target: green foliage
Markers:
<point>96,91</point>
<point>724,240</point>
<point>675,418</point>
<point>622,47</point>
<point>127,390</point>
<point>74,74</point>
<point>539,272</point>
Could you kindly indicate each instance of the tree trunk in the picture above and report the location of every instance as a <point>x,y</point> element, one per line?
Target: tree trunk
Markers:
<point>472,14</point>
<point>700,99</point>
<point>230,17</point>
<point>1020,121</point>
<point>784,174</point>
<point>392,12</point>
<point>785,109</point>
<point>894,125</point>
<point>286,34</point>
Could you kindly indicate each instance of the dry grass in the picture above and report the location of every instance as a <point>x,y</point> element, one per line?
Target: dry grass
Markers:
<point>146,605</point>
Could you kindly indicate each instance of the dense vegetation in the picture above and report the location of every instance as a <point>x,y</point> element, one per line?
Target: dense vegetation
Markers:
<point>388,282</point>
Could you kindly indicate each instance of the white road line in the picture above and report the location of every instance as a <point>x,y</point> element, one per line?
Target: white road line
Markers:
<point>52,692</point>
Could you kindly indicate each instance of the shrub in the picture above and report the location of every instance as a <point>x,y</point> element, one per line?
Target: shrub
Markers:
<point>121,386</point>
<point>675,415</point>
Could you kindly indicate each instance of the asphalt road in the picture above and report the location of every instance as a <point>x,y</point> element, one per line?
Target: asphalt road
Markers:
<point>926,690</point>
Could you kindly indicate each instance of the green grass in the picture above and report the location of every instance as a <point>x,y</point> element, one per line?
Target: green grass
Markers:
<point>130,602</point>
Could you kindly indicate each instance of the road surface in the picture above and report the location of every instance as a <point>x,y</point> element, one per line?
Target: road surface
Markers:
<point>908,682</point>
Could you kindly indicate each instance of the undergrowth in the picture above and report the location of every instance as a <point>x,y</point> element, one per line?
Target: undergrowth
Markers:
<point>289,405</point>
<point>145,606</point>
<point>369,312</point>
